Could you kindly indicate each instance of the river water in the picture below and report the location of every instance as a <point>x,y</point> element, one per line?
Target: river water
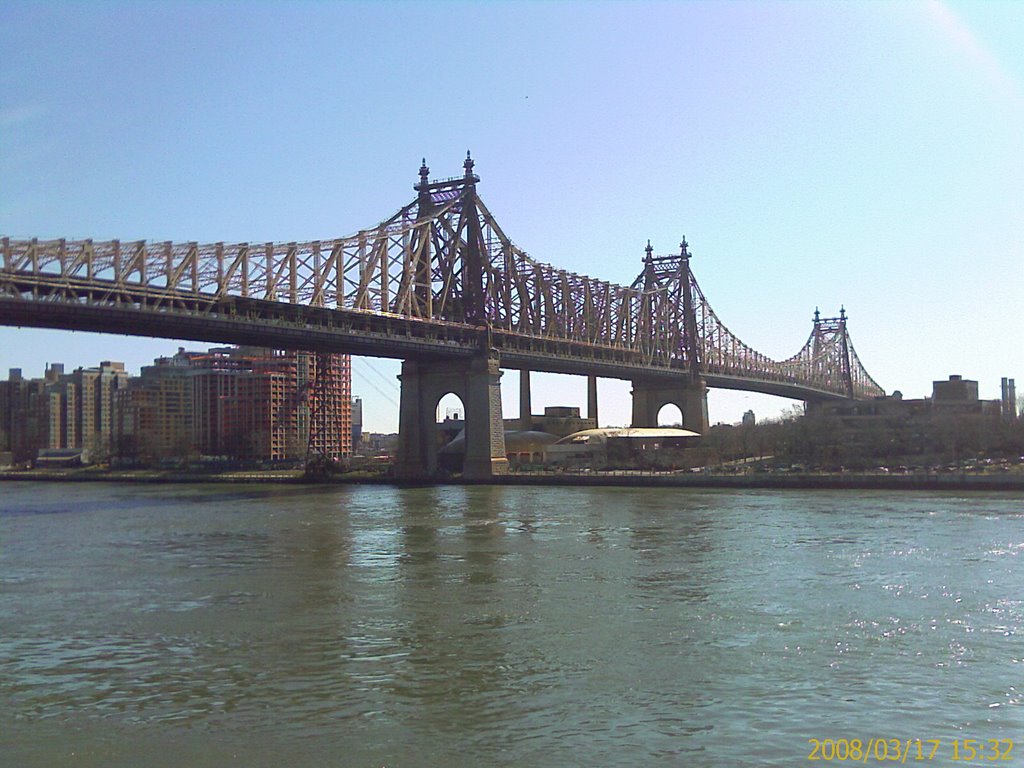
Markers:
<point>501,626</point>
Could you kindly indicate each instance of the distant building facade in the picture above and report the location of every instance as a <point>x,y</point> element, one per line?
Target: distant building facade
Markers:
<point>1009,398</point>
<point>379,444</point>
<point>82,408</point>
<point>253,404</point>
<point>357,422</point>
<point>953,396</point>
<point>25,414</point>
<point>61,411</point>
<point>238,403</point>
<point>155,412</point>
<point>557,420</point>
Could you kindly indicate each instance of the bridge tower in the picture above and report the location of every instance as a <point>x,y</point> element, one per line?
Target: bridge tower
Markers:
<point>830,347</point>
<point>671,276</point>
<point>830,357</point>
<point>476,379</point>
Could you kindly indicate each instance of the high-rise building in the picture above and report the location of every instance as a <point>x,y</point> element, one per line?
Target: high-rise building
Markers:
<point>24,414</point>
<point>357,422</point>
<point>214,387</point>
<point>240,403</point>
<point>330,406</point>
<point>1009,398</point>
<point>81,408</point>
<point>154,414</point>
<point>61,410</point>
<point>267,405</point>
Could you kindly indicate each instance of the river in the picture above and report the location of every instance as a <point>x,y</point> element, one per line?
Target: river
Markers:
<point>503,626</point>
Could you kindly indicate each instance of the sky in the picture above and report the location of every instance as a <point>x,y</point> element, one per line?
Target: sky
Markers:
<point>860,155</point>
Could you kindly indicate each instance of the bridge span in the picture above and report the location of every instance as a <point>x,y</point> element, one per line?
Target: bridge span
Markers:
<point>440,286</point>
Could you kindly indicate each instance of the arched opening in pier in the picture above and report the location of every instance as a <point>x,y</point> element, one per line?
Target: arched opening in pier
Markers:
<point>450,428</point>
<point>450,408</point>
<point>670,415</point>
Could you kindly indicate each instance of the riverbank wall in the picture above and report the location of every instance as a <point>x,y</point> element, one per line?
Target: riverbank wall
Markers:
<point>1013,482</point>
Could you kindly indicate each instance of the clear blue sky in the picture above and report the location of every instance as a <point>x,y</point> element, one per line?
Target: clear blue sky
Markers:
<point>814,154</point>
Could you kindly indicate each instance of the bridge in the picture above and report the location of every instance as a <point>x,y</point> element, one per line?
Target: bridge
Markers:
<point>440,286</point>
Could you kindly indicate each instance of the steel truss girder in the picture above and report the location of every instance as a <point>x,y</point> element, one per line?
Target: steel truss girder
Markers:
<point>411,272</point>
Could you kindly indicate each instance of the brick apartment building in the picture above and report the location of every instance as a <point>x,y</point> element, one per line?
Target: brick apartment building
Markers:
<point>245,403</point>
<point>267,405</point>
<point>24,414</point>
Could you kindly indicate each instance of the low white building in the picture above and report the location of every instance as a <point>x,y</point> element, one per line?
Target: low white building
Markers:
<point>615,445</point>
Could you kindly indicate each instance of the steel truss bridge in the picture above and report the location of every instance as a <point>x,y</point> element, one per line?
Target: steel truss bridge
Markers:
<point>439,279</point>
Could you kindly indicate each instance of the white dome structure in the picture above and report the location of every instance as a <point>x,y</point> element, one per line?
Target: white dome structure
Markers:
<point>595,447</point>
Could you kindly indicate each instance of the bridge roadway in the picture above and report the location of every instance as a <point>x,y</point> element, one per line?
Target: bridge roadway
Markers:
<point>52,301</point>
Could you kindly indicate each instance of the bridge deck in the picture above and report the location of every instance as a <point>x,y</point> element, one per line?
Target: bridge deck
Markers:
<point>236,320</point>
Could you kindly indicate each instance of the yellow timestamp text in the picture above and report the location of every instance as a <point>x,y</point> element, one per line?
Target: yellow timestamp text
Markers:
<point>913,750</point>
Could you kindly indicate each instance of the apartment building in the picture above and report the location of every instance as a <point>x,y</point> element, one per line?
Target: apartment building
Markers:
<point>242,403</point>
<point>271,405</point>
<point>24,414</point>
<point>81,408</point>
<point>155,412</point>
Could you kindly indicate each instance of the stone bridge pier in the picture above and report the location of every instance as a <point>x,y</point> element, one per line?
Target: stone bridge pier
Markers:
<point>690,397</point>
<point>476,382</point>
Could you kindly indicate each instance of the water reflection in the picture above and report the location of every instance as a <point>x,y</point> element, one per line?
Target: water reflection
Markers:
<point>455,667</point>
<point>675,541</point>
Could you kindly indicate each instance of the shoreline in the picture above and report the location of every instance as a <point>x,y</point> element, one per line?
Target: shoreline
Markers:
<point>780,481</point>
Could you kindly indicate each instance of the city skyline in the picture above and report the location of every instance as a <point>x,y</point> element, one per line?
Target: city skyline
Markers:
<point>814,156</point>
<point>242,403</point>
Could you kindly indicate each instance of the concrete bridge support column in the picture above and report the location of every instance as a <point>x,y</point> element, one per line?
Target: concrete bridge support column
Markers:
<point>525,405</point>
<point>814,408</point>
<point>476,383</point>
<point>649,396</point>
<point>592,399</point>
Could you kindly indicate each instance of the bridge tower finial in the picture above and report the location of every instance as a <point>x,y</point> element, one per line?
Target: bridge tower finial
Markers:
<point>683,248</point>
<point>842,312</point>
<point>468,165</point>
<point>425,202</point>
<point>648,273</point>
<point>817,316</point>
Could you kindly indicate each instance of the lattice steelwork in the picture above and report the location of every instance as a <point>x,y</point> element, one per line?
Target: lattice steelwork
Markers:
<point>441,263</point>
